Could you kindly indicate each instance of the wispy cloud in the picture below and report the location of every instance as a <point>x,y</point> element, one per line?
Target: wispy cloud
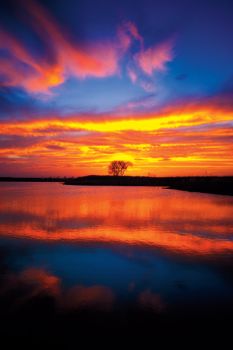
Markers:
<point>155,58</point>
<point>132,74</point>
<point>95,59</point>
<point>20,68</point>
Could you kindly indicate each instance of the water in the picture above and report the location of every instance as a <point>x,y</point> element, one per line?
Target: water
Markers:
<point>137,256</point>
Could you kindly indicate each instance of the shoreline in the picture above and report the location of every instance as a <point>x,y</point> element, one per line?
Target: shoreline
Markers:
<point>202,190</point>
<point>219,185</point>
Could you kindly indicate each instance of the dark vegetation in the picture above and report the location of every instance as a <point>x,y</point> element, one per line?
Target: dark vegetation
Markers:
<point>217,184</point>
<point>206,184</point>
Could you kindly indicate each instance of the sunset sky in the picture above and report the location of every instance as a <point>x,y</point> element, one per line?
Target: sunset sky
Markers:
<point>85,82</point>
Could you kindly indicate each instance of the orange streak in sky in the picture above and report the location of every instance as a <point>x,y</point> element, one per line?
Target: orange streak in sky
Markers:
<point>174,142</point>
<point>144,123</point>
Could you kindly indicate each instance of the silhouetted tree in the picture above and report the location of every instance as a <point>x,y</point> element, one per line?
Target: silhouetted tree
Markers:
<point>118,167</point>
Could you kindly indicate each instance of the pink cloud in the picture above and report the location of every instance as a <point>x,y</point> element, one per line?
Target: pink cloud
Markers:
<point>132,75</point>
<point>134,32</point>
<point>155,58</point>
<point>147,86</point>
<point>94,59</point>
<point>98,59</point>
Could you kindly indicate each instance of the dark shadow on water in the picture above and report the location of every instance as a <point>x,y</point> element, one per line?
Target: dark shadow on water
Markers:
<point>34,305</point>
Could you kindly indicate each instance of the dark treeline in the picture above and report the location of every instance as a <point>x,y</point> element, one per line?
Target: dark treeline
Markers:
<point>207,184</point>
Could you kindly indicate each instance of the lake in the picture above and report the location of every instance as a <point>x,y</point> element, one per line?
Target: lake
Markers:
<point>77,259</point>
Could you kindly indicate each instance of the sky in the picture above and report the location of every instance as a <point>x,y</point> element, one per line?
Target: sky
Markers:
<point>84,82</point>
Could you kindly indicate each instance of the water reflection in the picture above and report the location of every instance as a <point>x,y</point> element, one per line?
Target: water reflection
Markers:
<point>84,259</point>
<point>168,219</point>
<point>150,300</point>
<point>32,283</point>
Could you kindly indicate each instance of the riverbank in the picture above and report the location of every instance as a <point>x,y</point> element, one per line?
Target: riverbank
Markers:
<point>222,185</point>
<point>209,184</point>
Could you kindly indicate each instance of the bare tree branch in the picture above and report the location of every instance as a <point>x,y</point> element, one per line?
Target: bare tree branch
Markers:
<point>118,167</point>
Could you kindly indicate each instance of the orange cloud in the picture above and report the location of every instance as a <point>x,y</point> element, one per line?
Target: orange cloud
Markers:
<point>188,140</point>
<point>39,75</point>
<point>168,119</point>
<point>100,59</point>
